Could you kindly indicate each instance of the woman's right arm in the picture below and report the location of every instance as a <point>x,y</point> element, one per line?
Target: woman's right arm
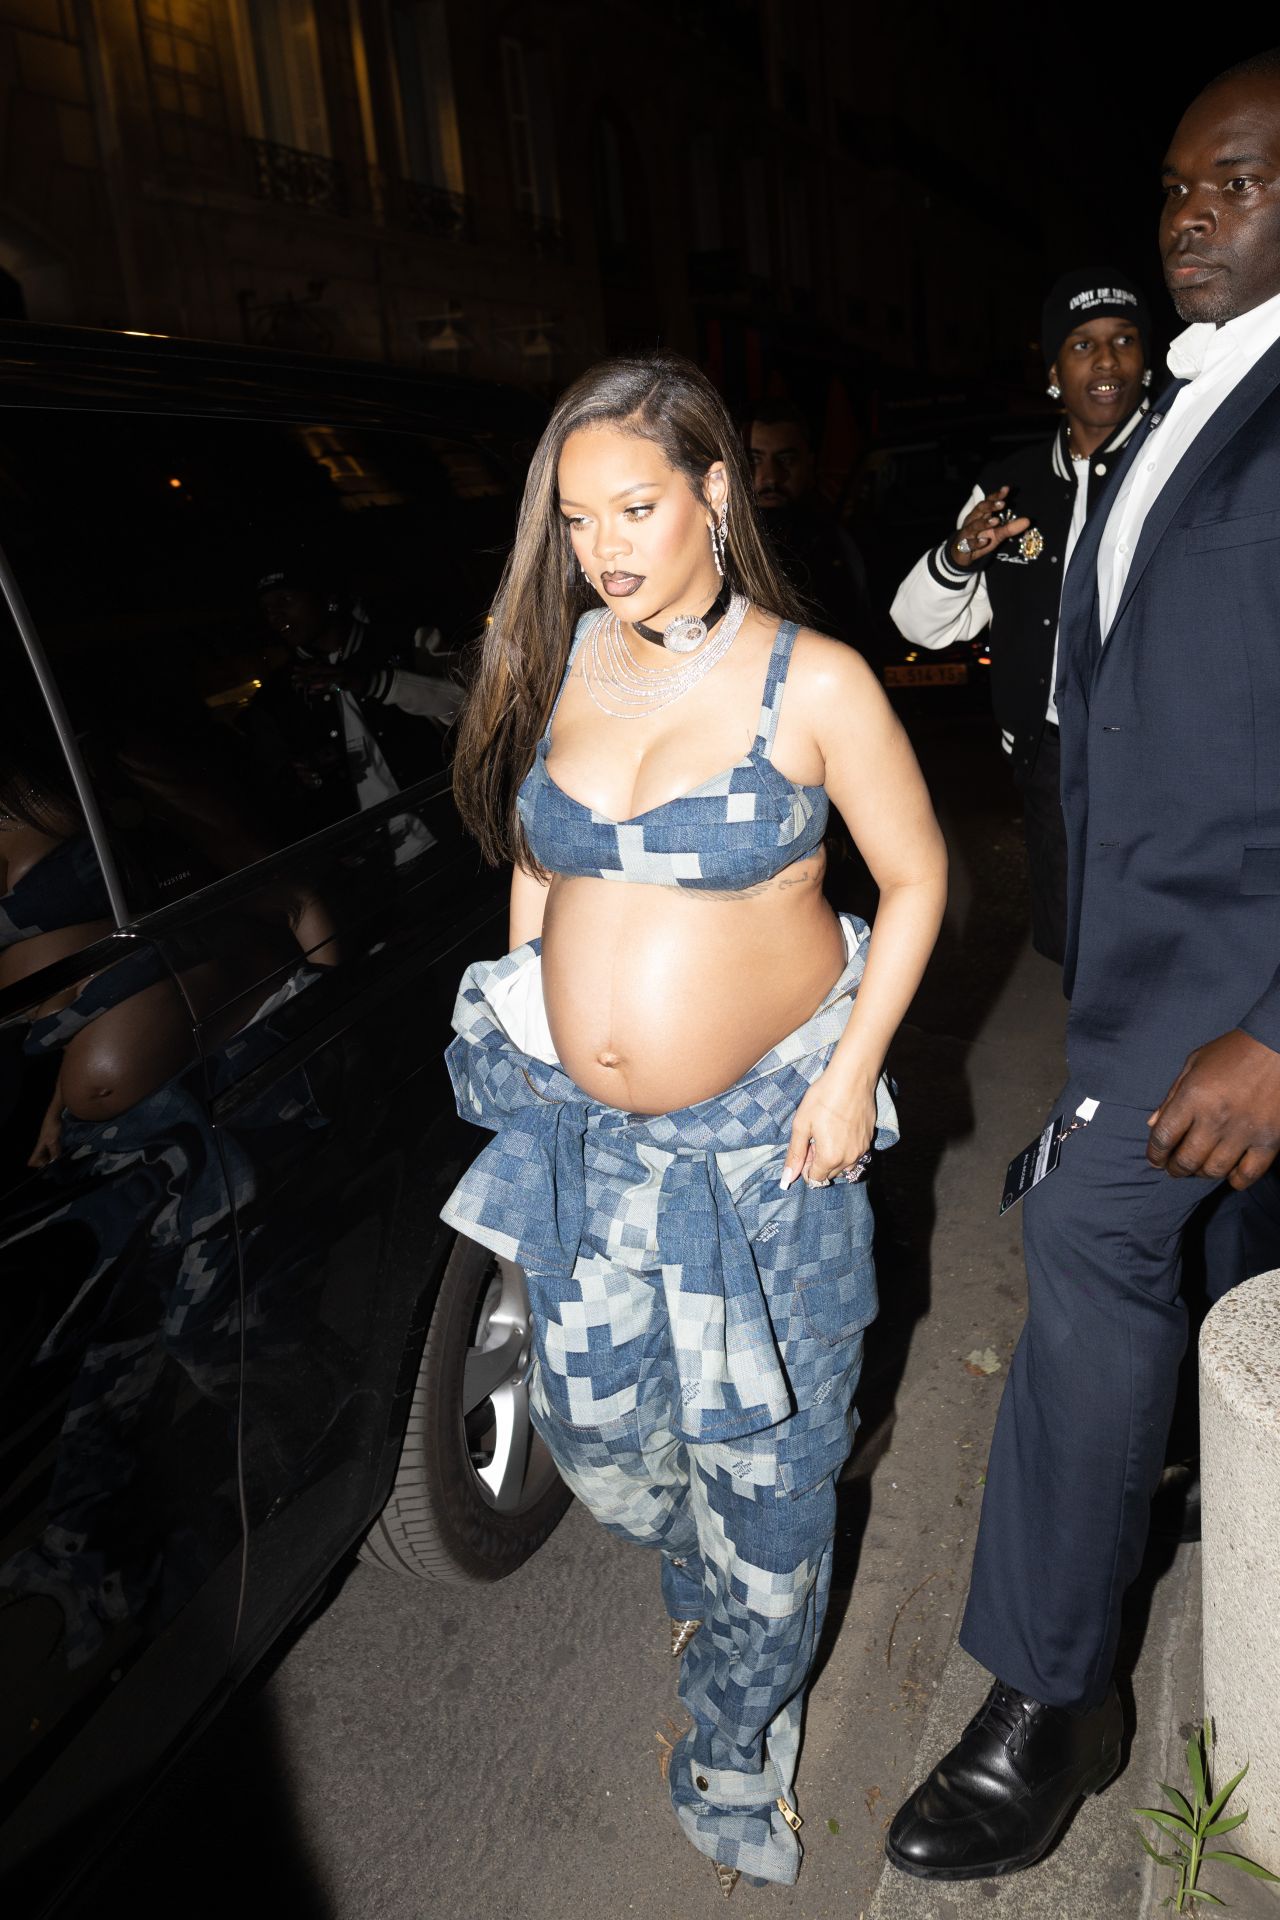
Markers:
<point>528,904</point>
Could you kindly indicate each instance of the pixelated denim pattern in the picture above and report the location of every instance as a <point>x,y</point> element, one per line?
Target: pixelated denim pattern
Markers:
<point>736,830</point>
<point>698,1338</point>
<point>744,1526</point>
<point>577,1192</point>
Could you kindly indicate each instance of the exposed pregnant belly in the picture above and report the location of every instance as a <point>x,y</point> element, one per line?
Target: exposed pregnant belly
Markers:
<point>657,998</point>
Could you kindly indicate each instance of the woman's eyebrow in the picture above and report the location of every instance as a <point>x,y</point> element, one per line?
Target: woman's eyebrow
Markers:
<point>637,486</point>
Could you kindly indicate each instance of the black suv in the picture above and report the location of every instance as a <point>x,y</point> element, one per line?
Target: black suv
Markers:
<point>235,901</point>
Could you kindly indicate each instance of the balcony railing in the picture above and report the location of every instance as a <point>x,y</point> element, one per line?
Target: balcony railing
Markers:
<point>294,178</point>
<point>424,209</point>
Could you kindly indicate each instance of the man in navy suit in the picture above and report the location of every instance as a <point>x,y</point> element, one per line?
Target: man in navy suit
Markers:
<point>1169,705</point>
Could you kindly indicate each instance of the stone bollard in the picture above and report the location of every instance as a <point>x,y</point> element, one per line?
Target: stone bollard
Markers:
<point>1240,1477</point>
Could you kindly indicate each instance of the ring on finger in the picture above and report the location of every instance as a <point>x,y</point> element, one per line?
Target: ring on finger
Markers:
<point>964,546</point>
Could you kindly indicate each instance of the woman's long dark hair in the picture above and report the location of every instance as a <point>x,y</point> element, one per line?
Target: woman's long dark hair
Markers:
<point>660,397</point>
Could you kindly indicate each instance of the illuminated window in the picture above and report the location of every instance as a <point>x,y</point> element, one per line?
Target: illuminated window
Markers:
<point>185,79</point>
<point>280,70</point>
<point>430,143</point>
<point>526,84</point>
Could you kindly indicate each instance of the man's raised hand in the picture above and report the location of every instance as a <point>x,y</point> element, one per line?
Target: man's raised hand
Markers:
<point>983,531</point>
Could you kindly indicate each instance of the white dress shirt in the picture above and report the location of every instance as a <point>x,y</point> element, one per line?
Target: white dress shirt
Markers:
<point>1081,470</point>
<point>1213,360</point>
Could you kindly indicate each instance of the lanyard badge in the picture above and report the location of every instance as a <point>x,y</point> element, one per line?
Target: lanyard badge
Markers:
<point>1038,1160</point>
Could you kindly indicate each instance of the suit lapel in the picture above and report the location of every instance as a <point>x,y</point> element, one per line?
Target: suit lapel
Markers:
<point>1213,436</point>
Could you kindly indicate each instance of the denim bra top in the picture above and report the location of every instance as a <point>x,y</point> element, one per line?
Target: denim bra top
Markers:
<point>64,888</point>
<point>735,831</point>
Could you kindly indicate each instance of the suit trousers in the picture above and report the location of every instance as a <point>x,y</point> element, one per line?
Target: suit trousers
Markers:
<point>1080,1438</point>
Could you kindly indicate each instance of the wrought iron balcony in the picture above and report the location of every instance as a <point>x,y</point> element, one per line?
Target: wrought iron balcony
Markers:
<point>295,178</point>
<point>432,210</point>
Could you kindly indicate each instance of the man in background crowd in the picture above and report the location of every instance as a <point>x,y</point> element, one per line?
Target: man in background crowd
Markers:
<point>815,551</point>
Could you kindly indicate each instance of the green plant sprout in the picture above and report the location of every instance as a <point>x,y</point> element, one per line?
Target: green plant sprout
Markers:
<point>1193,1822</point>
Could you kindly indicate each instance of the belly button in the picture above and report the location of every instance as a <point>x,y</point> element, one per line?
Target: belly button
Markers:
<point>609,1059</point>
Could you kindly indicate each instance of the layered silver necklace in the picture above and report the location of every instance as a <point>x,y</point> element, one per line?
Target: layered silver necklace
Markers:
<point>629,692</point>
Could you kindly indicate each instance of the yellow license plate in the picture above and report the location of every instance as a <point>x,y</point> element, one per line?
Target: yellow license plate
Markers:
<point>942,673</point>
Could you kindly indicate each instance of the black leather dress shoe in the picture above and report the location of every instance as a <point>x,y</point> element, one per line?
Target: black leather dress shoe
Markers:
<point>999,1799</point>
<point>1175,1506</point>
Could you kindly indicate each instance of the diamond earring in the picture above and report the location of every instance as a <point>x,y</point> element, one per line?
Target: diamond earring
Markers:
<point>718,540</point>
<point>1053,390</point>
<point>1146,376</point>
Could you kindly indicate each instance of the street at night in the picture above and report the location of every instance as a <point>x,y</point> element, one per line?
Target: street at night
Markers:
<point>421,1750</point>
<point>639,961</point>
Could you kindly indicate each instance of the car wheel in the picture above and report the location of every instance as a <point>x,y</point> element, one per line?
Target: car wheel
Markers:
<point>476,1491</point>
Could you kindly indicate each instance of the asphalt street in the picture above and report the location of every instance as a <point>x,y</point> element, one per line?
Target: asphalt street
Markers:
<point>420,1750</point>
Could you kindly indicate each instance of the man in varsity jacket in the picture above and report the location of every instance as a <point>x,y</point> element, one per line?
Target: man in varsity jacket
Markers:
<point>1004,565</point>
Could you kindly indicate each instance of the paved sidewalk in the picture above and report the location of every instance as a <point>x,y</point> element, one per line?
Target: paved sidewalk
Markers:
<point>1099,1869</point>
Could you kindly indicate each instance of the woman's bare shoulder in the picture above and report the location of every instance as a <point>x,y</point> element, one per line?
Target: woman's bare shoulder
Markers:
<point>821,663</point>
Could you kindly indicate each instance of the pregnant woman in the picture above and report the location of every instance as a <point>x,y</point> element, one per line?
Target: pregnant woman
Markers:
<point>681,1056</point>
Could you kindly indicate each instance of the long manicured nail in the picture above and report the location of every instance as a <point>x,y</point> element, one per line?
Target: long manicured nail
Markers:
<point>786,1180</point>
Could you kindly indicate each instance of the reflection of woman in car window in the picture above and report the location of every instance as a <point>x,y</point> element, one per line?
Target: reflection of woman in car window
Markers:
<point>128,1030</point>
<point>132,1176</point>
<point>684,1088</point>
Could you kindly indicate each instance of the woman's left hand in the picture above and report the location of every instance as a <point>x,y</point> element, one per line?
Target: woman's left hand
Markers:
<point>834,1126</point>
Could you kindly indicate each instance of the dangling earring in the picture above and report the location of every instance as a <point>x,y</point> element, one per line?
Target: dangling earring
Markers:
<point>586,576</point>
<point>718,540</point>
<point>1053,390</point>
<point>1146,376</point>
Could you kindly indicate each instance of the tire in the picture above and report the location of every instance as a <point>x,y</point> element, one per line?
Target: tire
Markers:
<point>476,1491</point>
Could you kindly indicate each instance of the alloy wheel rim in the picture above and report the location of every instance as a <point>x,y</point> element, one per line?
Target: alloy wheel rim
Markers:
<point>510,1465</point>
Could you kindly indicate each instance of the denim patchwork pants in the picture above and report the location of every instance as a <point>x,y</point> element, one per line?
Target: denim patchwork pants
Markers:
<point>698,1337</point>
<point>744,1526</point>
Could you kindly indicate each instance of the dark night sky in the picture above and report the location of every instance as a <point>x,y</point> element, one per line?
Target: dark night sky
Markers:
<point>1109,85</point>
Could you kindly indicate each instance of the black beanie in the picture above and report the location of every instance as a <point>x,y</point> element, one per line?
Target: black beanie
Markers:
<point>1091,293</point>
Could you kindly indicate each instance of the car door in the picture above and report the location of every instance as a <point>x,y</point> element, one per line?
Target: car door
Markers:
<point>121,1544</point>
<point>256,652</point>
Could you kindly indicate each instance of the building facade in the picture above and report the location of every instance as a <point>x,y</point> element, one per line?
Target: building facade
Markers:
<point>504,189</point>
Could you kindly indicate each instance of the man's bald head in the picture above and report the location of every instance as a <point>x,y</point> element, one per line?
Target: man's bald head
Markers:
<point>1220,226</point>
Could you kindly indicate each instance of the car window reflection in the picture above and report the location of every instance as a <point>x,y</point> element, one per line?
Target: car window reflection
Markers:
<point>349,718</point>
<point>262,631</point>
<point>124,1328</point>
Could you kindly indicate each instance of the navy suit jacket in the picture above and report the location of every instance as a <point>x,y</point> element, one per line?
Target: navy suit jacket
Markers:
<point>1171,761</point>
